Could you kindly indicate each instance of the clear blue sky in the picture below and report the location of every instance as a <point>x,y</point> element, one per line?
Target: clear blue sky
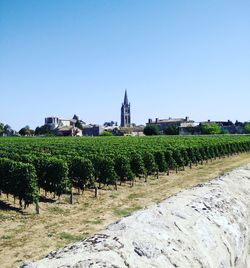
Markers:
<point>175,57</point>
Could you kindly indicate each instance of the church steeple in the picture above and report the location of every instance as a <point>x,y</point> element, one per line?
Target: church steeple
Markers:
<point>126,98</point>
<point>125,112</point>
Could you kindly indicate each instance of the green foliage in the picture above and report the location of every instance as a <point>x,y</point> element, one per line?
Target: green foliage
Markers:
<point>106,133</point>
<point>247,128</point>
<point>1,129</point>
<point>151,130</point>
<point>185,157</point>
<point>171,130</point>
<point>81,172</point>
<point>26,131</point>
<point>123,169</point>
<point>210,128</point>
<point>89,160</point>
<point>178,157</point>
<point>25,178</point>
<point>161,161</point>
<point>96,161</point>
<point>43,130</point>
<point>53,174</point>
<point>137,165</point>
<point>120,212</point>
<point>169,159</point>
<point>149,163</point>
<point>224,131</point>
<point>70,237</point>
<point>107,173</point>
<point>5,129</point>
<point>18,179</point>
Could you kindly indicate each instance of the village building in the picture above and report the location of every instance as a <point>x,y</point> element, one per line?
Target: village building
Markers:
<point>161,124</point>
<point>132,131</point>
<point>92,130</point>
<point>62,126</point>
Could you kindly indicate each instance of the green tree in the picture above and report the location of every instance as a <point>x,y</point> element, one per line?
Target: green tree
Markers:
<point>106,133</point>
<point>171,130</point>
<point>43,130</point>
<point>26,131</point>
<point>1,129</point>
<point>210,128</point>
<point>151,130</point>
<point>7,129</point>
<point>225,131</point>
<point>247,128</point>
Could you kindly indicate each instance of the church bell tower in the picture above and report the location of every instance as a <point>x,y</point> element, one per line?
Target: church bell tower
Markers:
<point>125,112</point>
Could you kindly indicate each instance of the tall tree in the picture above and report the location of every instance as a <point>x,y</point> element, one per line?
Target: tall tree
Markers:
<point>151,130</point>
<point>210,128</point>
<point>171,130</point>
<point>1,129</point>
<point>247,128</point>
<point>26,131</point>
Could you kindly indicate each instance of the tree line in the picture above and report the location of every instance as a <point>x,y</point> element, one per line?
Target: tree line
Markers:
<point>203,129</point>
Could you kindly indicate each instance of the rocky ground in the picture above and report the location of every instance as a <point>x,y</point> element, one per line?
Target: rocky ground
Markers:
<point>206,226</point>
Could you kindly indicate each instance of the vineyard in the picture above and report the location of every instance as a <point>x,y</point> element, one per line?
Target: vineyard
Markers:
<point>58,165</point>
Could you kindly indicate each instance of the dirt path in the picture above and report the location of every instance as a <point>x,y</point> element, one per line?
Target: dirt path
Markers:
<point>30,236</point>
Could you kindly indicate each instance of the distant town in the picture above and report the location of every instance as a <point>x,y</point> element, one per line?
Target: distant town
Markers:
<point>56,126</point>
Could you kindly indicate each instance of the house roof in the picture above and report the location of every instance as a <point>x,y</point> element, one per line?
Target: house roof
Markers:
<point>171,120</point>
<point>225,123</point>
<point>71,120</point>
<point>65,128</point>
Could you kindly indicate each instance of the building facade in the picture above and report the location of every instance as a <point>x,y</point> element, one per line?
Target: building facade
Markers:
<point>63,127</point>
<point>161,124</point>
<point>125,112</point>
<point>55,122</point>
<point>92,130</point>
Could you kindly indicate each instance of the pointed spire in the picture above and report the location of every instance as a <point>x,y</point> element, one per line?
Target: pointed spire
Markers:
<point>125,98</point>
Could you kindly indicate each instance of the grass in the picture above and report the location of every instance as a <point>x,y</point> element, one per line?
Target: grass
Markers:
<point>57,210</point>
<point>51,225</point>
<point>6,237</point>
<point>121,212</point>
<point>114,195</point>
<point>96,221</point>
<point>70,237</point>
<point>135,196</point>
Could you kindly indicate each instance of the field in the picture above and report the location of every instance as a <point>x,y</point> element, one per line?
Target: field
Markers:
<point>25,235</point>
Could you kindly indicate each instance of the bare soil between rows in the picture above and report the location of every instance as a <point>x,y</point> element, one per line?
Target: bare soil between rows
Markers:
<point>25,235</point>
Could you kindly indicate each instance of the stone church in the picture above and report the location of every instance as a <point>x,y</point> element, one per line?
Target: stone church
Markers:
<point>125,112</point>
